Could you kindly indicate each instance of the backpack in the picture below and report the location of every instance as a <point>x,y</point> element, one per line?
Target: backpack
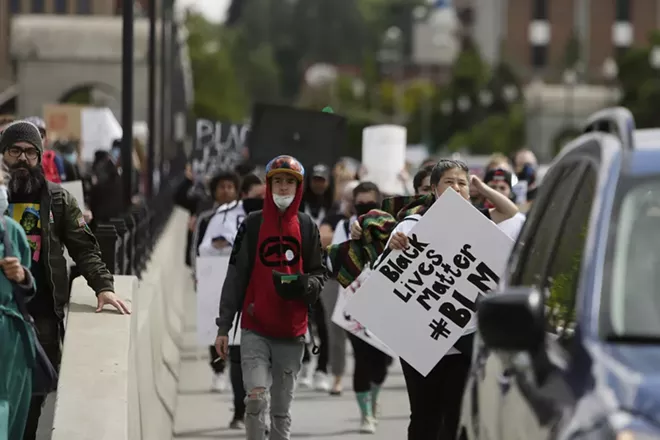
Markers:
<point>49,166</point>
<point>252,225</point>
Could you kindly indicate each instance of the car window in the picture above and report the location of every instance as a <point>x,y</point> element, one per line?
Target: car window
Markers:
<point>564,268</point>
<point>538,240</point>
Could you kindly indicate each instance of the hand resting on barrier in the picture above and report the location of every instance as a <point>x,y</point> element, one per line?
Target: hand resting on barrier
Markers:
<point>110,298</point>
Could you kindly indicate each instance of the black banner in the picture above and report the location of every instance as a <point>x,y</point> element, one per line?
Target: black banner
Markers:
<point>310,136</point>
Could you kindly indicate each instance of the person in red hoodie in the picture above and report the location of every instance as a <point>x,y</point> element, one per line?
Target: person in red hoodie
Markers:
<point>275,275</point>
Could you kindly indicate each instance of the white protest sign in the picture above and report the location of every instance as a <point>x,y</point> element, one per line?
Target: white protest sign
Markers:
<point>210,273</point>
<point>76,189</point>
<point>345,321</point>
<point>422,300</point>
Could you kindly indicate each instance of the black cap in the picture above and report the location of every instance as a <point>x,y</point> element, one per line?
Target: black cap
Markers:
<point>499,174</point>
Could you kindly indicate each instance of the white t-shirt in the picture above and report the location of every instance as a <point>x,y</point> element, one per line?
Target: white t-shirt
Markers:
<point>224,224</point>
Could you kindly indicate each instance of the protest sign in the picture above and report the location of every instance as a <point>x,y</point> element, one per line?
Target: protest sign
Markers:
<point>210,273</point>
<point>345,321</point>
<point>420,301</point>
<point>217,146</point>
<point>75,188</point>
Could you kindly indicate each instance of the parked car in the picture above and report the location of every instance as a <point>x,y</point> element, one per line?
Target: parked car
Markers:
<point>569,345</point>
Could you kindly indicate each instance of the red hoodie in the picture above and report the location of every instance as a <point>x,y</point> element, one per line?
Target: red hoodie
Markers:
<point>279,248</point>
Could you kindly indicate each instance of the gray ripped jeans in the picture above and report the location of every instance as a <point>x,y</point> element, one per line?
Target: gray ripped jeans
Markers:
<point>269,364</point>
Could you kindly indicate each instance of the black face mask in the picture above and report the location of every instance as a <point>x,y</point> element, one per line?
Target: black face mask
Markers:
<point>254,204</point>
<point>363,208</point>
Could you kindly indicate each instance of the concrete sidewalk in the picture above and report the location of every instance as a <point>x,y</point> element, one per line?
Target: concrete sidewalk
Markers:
<point>202,415</point>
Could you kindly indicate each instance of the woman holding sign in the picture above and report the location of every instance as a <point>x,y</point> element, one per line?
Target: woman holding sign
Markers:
<point>435,400</point>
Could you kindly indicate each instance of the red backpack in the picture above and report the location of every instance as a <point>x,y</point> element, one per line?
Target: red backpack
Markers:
<point>50,167</point>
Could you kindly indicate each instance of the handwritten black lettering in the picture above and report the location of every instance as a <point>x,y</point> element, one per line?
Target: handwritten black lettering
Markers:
<point>437,289</point>
<point>402,262</point>
<point>458,316</point>
<point>411,253</point>
<point>425,269</point>
<point>416,279</point>
<point>461,261</point>
<point>436,259</point>
<point>448,269</point>
<point>481,276</point>
<point>465,252</point>
<point>393,265</point>
<point>439,328</point>
<point>405,298</point>
<point>389,273</point>
<point>445,279</point>
<point>414,242</point>
<point>464,301</point>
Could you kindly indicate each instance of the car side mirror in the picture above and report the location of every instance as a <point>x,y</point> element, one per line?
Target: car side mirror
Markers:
<point>512,320</point>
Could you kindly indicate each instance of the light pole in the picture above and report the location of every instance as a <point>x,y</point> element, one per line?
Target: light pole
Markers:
<point>610,73</point>
<point>127,104</point>
<point>392,54</point>
<point>570,80</point>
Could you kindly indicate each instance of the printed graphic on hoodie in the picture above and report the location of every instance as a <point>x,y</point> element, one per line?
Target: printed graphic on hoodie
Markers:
<point>279,251</point>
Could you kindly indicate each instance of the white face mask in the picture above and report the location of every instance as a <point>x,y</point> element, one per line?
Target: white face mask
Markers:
<point>282,202</point>
<point>4,199</point>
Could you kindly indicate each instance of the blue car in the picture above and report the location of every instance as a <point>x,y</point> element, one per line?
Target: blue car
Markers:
<point>569,345</point>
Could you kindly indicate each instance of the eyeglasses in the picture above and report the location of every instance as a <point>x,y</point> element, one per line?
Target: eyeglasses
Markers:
<point>30,153</point>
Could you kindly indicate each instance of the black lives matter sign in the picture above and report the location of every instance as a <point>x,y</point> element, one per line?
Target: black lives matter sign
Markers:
<point>422,300</point>
<point>217,146</point>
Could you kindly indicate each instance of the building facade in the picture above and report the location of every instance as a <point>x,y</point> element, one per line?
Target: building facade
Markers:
<point>539,37</point>
<point>9,8</point>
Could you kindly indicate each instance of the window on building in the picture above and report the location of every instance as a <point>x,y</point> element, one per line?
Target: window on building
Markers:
<point>15,6</point>
<point>84,7</point>
<point>539,9</point>
<point>622,10</point>
<point>539,56</point>
<point>38,7</point>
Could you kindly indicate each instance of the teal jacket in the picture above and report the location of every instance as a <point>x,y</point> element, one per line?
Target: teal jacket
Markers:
<point>16,345</point>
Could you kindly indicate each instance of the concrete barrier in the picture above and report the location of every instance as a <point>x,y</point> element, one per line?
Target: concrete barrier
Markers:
<point>93,392</point>
<point>119,375</point>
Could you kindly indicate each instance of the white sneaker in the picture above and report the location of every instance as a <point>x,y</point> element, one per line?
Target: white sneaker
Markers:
<point>321,382</point>
<point>218,383</point>
<point>368,426</point>
<point>303,378</point>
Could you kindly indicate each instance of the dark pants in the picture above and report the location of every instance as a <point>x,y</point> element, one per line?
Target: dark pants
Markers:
<point>236,377</point>
<point>49,335</point>
<point>370,365</point>
<point>435,400</point>
<point>216,362</point>
<point>322,330</point>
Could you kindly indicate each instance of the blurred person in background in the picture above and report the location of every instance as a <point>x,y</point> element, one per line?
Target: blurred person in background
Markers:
<point>224,189</point>
<point>422,181</point>
<point>5,120</point>
<point>319,203</point>
<point>498,160</point>
<point>51,162</point>
<point>16,346</point>
<point>69,152</point>
<point>525,166</point>
<point>218,240</point>
<point>105,193</point>
<point>32,200</point>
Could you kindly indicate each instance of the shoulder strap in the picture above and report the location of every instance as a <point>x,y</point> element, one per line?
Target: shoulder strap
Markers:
<point>252,226</point>
<point>56,193</point>
<point>306,230</point>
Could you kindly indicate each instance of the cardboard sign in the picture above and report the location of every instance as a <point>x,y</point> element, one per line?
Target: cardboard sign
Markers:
<point>420,301</point>
<point>218,146</point>
<point>63,121</point>
<point>75,188</point>
<point>210,273</point>
<point>345,321</point>
<point>310,136</point>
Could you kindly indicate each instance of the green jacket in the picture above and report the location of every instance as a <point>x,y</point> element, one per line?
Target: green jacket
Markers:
<point>67,227</point>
